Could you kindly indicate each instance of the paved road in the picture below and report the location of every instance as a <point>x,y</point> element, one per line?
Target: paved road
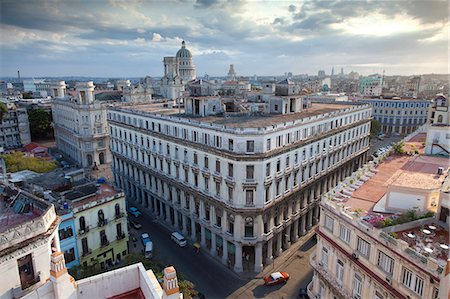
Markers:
<point>212,278</point>
<point>375,144</point>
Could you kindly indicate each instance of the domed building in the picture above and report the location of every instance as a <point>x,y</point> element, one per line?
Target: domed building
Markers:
<point>186,65</point>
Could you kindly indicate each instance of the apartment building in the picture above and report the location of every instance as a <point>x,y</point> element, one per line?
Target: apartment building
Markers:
<point>14,128</point>
<point>80,126</point>
<point>245,185</point>
<point>384,232</point>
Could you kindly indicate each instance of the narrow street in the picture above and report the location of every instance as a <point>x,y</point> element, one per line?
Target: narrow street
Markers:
<point>212,278</point>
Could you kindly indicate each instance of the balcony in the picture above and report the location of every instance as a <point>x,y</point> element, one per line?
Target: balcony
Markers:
<point>329,278</point>
<point>86,253</point>
<point>83,231</point>
<point>119,215</point>
<point>104,243</point>
<point>120,237</point>
<point>102,223</point>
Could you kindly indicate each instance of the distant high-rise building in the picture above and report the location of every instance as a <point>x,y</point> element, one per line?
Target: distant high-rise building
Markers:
<point>321,74</point>
<point>332,71</point>
<point>342,71</point>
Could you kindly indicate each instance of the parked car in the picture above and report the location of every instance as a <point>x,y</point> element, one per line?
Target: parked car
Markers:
<point>276,278</point>
<point>145,238</point>
<point>134,211</point>
<point>135,225</point>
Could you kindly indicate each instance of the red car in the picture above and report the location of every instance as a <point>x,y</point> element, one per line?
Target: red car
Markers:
<point>276,278</point>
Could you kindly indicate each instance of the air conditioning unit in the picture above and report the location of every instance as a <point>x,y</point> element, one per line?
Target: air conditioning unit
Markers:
<point>389,279</point>
<point>355,255</point>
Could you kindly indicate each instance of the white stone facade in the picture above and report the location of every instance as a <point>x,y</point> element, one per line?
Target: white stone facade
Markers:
<point>244,193</point>
<point>186,64</point>
<point>80,126</point>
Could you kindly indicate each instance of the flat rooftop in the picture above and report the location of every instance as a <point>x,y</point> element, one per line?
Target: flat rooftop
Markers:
<point>398,170</point>
<point>239,121</point>
<point>17,208</point>
<point>82,195</point>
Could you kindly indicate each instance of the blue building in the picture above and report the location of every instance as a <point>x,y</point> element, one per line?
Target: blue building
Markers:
<point>399,116</point>
<point>68,239</point>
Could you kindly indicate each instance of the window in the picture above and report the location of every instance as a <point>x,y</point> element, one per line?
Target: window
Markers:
<point>248,227</point>
<point>230,170</point>
<point>363,247</point>
<point>230,144</point>
<point>268,146</point>
<point>195,159</point>
<point>206,181</point>
<point>65,233</point>
<point>217,188</point>
<point>357,286</point>
<point>250,146</point>
<point>206,162</point>
<point>385,262</point>
<point>378,295</point>
<point>278,165</point>
<point>345,234</point>
<point>339,271</point>
<point>329,223</point>
<point>250,172</point>
<point>230,194</point>
<point>412,281</point>
<point>267,194</point>
<point>69,255</point>
<point>324,257</point>
<point>268,169</point>
<point>230,229</point>
<point>249,197</point>
<point>218,166</point>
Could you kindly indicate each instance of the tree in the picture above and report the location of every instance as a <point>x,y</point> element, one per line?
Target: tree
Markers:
<point>40,123</point>
<point>375,128</point>
<point>3,111</point>
<point>398,147</point>
<point>17,161</point>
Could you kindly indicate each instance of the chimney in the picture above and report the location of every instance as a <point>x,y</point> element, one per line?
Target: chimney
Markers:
<point>170,284</point>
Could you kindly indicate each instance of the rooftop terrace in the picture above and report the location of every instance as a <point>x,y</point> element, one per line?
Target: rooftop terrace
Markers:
<point>240,121</point>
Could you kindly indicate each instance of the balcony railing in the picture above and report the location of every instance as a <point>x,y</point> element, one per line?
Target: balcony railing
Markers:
<point>83,231</point>
<point>103,223</point>
<point>120,237</point>
<point>104,243</point>
<point>85,253</point>
<point>119,215</point>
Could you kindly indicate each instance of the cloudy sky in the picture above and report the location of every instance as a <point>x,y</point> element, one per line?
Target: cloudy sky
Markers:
<point>130,38</point>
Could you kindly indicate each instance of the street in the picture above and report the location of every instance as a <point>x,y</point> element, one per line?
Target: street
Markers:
<point>212,278</point>
<point>376,144</point>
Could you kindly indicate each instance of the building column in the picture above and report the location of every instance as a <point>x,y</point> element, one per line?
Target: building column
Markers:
<point>287,237</point>
<point>175,217</point>
<point>225,252</point>
<point>316,214</point>
<point>295,227</point>
<point>194,237</point>
<point>258,257</point>
<point>160,209</point>
<point>302,225</point>
<point>279,240</point>
<point>238,258</point>
<point>202,236</point>
<point>269,258</point>
<point>168,220</point>
<point>310,218</point>
<point>213,244</point>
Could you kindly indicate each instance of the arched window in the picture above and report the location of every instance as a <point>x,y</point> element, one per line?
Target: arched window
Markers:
<point>101,218</point>
<point>440,119</point>
<point>231,224</point>
<point>117,208</point>
<point>82,223</point>
<point>249,227</point>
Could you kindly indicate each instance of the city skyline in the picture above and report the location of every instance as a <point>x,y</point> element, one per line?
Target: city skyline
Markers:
<point>120,39</point>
